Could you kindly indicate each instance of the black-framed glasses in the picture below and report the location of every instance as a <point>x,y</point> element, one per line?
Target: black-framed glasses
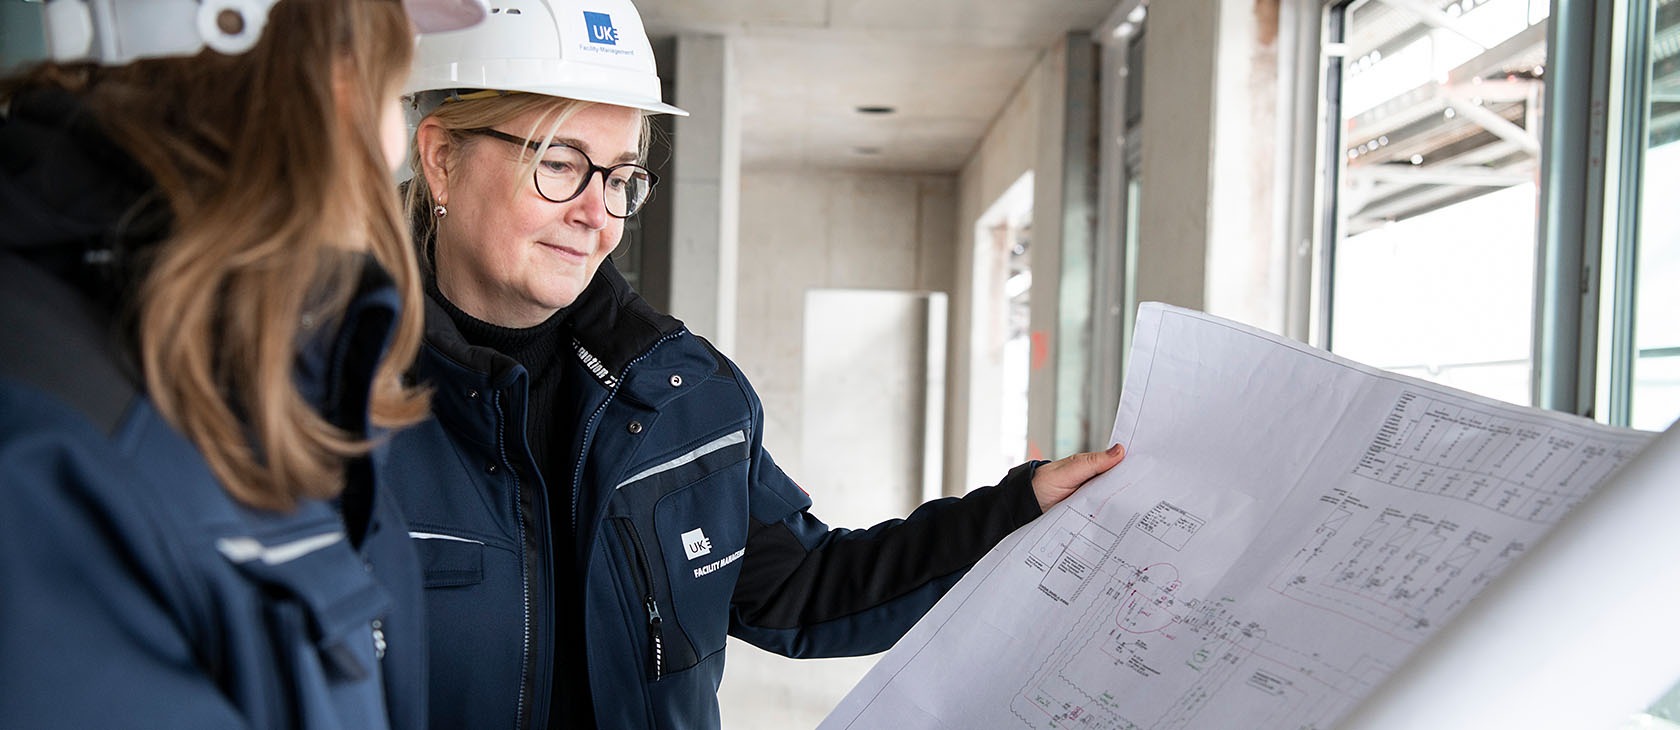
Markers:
<point>565,171</point>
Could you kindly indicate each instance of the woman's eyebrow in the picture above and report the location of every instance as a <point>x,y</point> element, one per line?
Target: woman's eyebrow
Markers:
<point>582,146</point>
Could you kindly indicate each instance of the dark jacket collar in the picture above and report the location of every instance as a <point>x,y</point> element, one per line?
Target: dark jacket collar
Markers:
<point>616,324</point>
<point>336,366</point>
<point>609,321</point>
<point>74,202</point>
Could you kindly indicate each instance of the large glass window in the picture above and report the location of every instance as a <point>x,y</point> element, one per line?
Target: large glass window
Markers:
<point>1654,397</point>
<point>1434,201</point>
<point>1638,368</point>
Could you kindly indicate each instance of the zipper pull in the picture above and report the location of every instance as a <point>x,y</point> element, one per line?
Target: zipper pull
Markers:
<point>655,636</point>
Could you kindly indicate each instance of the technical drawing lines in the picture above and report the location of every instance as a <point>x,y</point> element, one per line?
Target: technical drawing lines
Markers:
<point>1171,525</point>
<point>1109,647</point>
<point>1069,554</point>
<point>1529,470</point>
<point>1213,654</point>
<point>1300,687</point>
<point>1227,656</point>
<point>1397,572</point>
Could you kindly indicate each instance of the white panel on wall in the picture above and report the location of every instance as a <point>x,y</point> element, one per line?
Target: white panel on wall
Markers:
<point>869,424</point>
<point>865,402</point>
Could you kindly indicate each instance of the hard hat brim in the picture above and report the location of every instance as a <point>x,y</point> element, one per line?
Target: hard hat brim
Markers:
<point>606,97</point>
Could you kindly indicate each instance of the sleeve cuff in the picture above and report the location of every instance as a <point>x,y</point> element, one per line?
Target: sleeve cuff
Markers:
<point>1019,483</point>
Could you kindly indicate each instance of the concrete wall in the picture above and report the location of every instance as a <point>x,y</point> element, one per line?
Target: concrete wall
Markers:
<point>827,230</point>
<point>705,189</point>
<point>1211,222</point>
<point>1177,169</point>
<point>1025,136</point>
<point>801,231</point>
<point>1247,255</point>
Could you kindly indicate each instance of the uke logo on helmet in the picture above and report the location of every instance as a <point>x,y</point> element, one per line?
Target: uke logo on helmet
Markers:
<point>601,29</point>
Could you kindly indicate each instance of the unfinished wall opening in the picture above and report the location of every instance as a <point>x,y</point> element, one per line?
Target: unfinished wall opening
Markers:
<point>1002,351</point>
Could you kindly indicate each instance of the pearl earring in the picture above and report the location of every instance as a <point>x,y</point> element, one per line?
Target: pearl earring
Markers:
<point>440,211</point>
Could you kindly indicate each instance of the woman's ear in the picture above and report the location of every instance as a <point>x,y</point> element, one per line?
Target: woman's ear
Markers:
<point>432,143</point>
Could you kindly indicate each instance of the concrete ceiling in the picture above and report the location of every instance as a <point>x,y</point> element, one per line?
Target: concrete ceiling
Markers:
<point>804,66</point>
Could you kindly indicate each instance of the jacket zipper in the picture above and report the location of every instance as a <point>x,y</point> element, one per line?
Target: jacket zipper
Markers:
<point>521,719</point>
<point>656,639</point>
<point>589,428</point>
<point>644,583</point>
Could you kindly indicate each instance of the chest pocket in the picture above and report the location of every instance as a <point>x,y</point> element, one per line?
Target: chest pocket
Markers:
<point>448,561</point>
<point>681,529</point>
<point>321,622</point>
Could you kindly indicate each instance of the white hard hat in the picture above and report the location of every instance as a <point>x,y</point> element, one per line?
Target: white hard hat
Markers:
<point>115,32</point>
<point>589,50</point>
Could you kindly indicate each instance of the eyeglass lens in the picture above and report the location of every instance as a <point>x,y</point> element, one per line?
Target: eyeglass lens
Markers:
<point>564,173</point>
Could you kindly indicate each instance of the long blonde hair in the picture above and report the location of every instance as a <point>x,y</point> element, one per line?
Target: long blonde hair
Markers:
<point>272,166</point>
<point>492,110</point>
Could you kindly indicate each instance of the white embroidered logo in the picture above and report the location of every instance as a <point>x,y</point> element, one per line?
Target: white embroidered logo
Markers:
<point>696,544</point>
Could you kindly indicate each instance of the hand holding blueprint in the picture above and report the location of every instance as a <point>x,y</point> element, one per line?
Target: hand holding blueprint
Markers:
<point>1287,527</point>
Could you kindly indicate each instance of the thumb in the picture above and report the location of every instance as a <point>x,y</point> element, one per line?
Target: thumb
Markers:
<point>1079,468</point>
<point>1082,467</point>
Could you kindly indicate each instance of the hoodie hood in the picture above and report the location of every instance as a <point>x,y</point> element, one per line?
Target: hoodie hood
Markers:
<point>74,202</point>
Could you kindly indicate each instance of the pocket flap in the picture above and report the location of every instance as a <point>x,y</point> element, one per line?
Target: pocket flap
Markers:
<point>447,561</point>
<point>318,569</point>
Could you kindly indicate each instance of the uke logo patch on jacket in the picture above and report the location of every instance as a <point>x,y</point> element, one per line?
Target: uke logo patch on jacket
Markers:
<point>696,544</point>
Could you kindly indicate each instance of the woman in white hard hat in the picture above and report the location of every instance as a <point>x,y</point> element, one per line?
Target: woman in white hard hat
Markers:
<point>209,297</point>
<point>593,504</point>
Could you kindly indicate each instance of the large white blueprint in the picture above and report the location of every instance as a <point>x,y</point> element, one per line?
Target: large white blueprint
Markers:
<point>1287,527</point>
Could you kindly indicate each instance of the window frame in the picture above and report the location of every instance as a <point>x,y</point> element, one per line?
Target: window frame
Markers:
<point>1593,148</point>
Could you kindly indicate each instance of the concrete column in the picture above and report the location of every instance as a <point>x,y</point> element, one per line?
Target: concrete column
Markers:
<point>1049,164</point>
<point>1178,114</point>
<point>1210,230</point>
<point>705,191</point>
<point>1078,245</point>
<point>1247,252</point>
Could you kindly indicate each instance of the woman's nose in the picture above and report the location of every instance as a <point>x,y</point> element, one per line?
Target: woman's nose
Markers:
<point>589,208</point>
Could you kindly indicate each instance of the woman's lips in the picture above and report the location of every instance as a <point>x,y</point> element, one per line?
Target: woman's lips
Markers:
<point>566,252</point>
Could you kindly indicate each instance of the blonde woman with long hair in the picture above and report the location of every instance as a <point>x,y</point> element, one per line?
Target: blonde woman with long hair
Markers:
<point>208,298</point>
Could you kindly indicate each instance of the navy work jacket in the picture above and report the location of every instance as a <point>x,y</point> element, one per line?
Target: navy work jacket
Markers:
<point>684,529</point>
<point>137,592</point>
<point>134,591</point>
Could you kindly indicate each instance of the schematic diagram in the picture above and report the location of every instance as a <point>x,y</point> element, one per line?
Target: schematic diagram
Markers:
<point>1525,469</point>
<point>1294,687</point>
<point>1287,529</point>
<point>1069,554</point>
<point>1141,630</point>
<point>1400,573</point>
<point>1112,639</point>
